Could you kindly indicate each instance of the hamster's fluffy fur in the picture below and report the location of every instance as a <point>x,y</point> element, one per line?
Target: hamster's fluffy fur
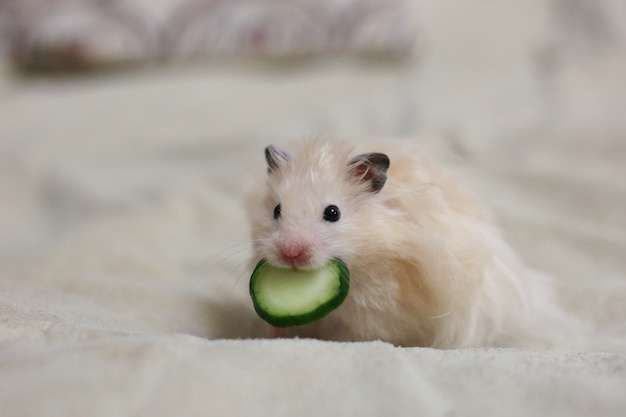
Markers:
<point>428,267</point>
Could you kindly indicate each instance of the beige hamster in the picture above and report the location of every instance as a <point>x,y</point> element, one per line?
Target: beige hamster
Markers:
<point>427,265</point>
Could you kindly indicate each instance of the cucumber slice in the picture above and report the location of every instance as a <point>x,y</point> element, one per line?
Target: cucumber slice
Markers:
<point>290,297</point>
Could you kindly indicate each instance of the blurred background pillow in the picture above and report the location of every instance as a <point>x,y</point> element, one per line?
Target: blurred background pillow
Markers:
<point>86,34</point>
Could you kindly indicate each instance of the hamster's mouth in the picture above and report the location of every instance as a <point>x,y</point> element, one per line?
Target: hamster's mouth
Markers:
<point>295,264</point>
<point>298,263</point>
<point>309,266</point>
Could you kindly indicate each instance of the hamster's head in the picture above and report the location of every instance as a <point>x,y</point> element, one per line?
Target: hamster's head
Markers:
<point>319,203</point>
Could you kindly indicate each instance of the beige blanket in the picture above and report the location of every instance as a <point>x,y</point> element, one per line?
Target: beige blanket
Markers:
<point>123,243</point>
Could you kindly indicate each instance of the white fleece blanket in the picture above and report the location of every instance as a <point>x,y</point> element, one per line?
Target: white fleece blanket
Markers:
<point>123,242</point>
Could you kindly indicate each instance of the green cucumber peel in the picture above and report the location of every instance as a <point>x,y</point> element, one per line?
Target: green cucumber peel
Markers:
<point>286,297</point>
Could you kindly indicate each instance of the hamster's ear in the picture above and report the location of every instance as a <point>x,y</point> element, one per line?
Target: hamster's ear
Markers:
<point>370,168</point>
<point>275,158</point>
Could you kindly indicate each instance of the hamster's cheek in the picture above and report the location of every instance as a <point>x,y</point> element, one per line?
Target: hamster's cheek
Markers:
<point>334,250</point>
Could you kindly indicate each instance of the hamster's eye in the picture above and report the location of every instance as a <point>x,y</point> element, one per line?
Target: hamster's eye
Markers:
<point>277,211</point>
<point>331,213</point>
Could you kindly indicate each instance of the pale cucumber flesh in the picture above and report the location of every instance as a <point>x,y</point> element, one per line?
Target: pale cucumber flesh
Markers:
<point>289,297</point>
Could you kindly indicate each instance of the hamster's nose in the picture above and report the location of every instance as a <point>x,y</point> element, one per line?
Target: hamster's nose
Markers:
<point>294,253</point>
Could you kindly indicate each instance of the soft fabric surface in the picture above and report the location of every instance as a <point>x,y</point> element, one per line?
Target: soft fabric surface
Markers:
<point>123,243</point>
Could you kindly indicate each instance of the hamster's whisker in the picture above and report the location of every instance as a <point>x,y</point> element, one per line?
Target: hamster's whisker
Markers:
<point>235,248</point>
<point>440,316</point>
<point>222,261</point>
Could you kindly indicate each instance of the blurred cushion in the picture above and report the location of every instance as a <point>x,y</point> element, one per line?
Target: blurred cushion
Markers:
<point>80,34</point>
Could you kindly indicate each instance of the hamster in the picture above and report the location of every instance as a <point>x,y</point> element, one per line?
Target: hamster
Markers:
<point>428,267</point>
